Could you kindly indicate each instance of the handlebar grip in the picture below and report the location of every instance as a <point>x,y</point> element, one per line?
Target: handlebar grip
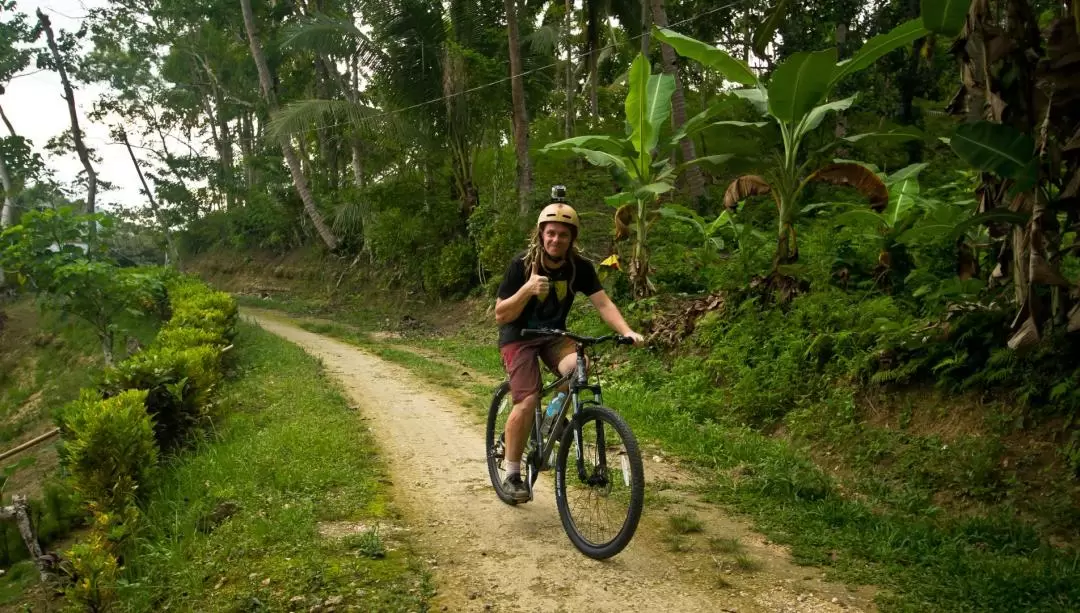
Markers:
<point>624,340</point>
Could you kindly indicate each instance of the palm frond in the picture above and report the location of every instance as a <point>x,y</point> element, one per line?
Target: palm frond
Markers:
<point>332,36</point>
<point>304,115</point>
<point>543,40</point>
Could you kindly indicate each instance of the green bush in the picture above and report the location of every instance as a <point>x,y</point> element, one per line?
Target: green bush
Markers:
<point>177,381</point>
<point>109,447</point>
<point>451,274</point>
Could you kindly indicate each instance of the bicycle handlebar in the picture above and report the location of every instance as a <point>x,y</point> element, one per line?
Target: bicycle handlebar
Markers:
<point>584,340</point>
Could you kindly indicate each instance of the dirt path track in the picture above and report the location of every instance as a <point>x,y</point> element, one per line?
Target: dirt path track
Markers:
<point>435,457</point>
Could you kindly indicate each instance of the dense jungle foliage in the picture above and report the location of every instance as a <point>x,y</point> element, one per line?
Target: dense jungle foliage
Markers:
<point>807,205</point>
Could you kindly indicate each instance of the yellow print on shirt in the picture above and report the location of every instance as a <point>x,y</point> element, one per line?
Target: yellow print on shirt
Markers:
<point>560,289</point>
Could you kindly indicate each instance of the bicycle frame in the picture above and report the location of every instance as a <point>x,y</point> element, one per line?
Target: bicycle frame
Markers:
<point>579,381</point>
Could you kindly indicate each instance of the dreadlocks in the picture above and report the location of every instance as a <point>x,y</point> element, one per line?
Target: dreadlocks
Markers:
<point>534,255</point>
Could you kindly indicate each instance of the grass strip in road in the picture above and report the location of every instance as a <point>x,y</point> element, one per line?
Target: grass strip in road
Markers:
<point>285,509</point>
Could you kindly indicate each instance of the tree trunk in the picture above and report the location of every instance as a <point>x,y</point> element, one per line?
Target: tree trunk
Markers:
<point>694,179</point>
<point>568,127</point>
<point>357,163</point>
<point>593,17</point>
<point>521,113</point>
<point>246,150</point>
<point>286,148</point>
<point>226,157</point>
<point>69,96</point>
<point>7,215</point>
<point>646,27</point>
<point>7,122</point>
<point>170,253</point>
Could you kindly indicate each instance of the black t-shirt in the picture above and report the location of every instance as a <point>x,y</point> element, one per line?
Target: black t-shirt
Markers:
<point>552,312</point>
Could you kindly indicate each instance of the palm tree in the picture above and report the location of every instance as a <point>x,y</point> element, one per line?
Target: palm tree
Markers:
<point>695,181</point>
<point>521,116</point>
<point>286,146</point>
<point>597,12</point>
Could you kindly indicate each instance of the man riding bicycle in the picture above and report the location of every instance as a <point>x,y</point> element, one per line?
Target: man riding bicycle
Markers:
<point>552,261</point>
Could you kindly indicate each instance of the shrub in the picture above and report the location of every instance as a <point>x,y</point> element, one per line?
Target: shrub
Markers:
<point>177,381</point>
<point>109,447</point>
<point>94,572</point>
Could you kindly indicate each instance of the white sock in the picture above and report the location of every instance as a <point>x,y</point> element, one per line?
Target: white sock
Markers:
<point>513,468</point>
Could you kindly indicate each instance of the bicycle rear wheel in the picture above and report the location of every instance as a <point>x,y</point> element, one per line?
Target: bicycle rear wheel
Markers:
<point>600,505</point>
<point>494,445</point>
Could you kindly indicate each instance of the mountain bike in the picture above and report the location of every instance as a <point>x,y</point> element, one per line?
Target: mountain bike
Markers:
<point>599,478</point>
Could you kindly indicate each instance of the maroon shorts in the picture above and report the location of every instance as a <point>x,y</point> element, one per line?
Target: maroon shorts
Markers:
<point>519,360</point>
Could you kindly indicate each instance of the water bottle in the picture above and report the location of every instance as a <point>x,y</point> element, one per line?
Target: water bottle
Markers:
<point>553,409</point>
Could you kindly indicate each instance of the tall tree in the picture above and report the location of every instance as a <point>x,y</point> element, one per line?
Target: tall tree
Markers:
<point>286,147</point>
<point>695,181</point>
<point>521,114</point>
<point>59,64</point>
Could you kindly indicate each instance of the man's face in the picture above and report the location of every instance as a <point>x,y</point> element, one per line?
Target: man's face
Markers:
<point>556,239</point>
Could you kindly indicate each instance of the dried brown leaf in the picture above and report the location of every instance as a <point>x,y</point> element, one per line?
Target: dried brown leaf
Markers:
<point>859,177</point>
<point>623,218</point>
<point>744,187</point>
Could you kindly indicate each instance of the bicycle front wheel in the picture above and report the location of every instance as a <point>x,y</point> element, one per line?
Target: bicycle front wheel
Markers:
<point>600,501</point>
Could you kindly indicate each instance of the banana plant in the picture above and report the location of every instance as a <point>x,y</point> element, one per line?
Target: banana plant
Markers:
<point>906,206</point>
<point>796,98</point>
<point>720,235</point>
<point>641,161</point>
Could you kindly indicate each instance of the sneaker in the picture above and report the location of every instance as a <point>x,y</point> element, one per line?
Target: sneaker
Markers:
<point>514,487</point>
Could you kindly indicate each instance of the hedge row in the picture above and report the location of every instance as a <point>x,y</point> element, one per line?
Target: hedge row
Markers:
<point>145,406</point>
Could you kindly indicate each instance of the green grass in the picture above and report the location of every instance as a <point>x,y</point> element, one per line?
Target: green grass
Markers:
<point>431,371</point>
<point>725,545</point>
<point>685,523</point>
<point>289,457</point>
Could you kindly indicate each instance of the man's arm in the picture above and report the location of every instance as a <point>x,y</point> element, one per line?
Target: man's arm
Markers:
<point>612,317</point>
<point>508,309</point>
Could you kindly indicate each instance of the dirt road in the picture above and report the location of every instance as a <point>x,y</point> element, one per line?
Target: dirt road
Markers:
<point>488,556</point>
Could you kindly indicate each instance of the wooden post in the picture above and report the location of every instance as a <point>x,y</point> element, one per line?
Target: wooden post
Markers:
<point>19,511</point>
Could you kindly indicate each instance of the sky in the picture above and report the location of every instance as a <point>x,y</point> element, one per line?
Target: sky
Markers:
<point>35,105</point>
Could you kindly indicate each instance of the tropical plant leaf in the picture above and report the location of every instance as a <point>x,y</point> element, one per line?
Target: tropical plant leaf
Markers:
<point>858,177</point>
<point>945,17</point>
<point>911,170</point>
<point>732,69</point>
<point>994,216</point>
<point>799,84</point>
<point>998,148</point>
<point>619,199</point>
<point>899,135</point>
<point>744,187</point>
<point>322,33</point>
<point>648,106</point>
<point>602,158</point>
<point>653,190</point>
<point>623,218</point>
<point>682,213</point>
<point>767,30</point>
<point>723,219</point>
<point>756,96</point>
<point>704,120</point>
<point>714,160</point>
<point>817,114</point>
<point>902,198</point>
<point>610,144</point>
<point>304,115</point>
<point>903,34</point>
